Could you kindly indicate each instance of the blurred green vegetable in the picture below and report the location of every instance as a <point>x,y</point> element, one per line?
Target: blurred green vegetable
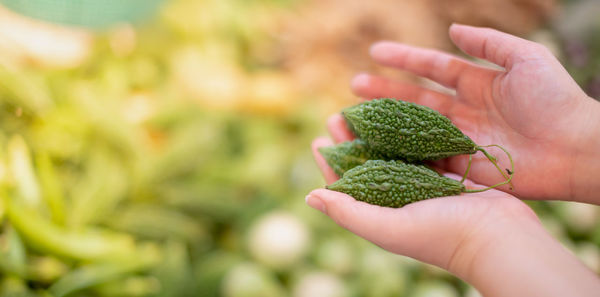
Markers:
<point>48,238</point>
<point>13,258</point>
<point>94,274</point>
<point>251,280</point>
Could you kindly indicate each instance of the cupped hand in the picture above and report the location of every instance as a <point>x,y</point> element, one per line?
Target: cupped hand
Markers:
<point>490,239</point>
<point>446,231</point>
<point>530,106</point>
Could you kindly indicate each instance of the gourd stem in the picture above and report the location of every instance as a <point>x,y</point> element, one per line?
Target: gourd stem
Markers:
<point>468,169</point>
<point>488,188</point>
<point>492,159</point>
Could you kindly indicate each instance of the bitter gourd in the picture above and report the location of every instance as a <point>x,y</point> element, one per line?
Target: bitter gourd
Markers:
<point>349,154</point>
<point>395,183</point>
<point>405,130</point>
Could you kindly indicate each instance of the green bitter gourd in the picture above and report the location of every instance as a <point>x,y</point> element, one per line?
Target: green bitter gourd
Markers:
<point>408,131</point>
<point>395,183</point>
<point>349,154</point>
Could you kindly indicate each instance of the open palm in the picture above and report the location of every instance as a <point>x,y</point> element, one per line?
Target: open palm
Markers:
<point>531,106</point>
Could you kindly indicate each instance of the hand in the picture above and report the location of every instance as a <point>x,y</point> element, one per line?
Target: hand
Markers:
<point>490,239</point>
<point>434,231</point>
<point>532,107</point>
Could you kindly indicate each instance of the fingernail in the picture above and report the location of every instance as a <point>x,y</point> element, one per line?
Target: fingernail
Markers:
<point>361,80</point>
<point>459,25</point>
<point>315,202</point>
<point>375,48</point>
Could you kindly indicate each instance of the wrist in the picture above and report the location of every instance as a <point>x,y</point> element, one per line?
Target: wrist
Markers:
<point>586,159</point>
<point>482,248</point>
<point>519,258</point>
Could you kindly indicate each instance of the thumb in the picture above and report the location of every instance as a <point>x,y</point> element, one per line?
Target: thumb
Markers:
<point>429,231</point>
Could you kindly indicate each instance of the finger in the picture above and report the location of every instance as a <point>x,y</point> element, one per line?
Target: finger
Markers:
<point>370,86</point>
<point>499,48</point>
<point>435,65</point>
<point>328,173</point>
<point>427,230</point>
<point>336,124</point>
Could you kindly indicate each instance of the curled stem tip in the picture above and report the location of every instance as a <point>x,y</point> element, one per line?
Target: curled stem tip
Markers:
<point>492,159</point>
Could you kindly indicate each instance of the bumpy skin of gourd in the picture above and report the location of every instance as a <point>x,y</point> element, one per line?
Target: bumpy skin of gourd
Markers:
<point>394,183</point>
<point>347,155</point>
<point>404,130</point>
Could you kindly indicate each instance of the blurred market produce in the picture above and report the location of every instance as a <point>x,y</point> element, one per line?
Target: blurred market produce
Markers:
<point>578,29</point>
<point>171,157</point>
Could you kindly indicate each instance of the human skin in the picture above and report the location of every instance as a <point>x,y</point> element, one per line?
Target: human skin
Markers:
<point>536,111</point>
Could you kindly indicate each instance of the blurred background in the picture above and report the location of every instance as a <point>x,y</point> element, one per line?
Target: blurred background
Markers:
<point>161,148</point>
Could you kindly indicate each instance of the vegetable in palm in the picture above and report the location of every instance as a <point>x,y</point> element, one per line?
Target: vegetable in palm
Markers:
<point>395,183</point>
<point>405,130</point>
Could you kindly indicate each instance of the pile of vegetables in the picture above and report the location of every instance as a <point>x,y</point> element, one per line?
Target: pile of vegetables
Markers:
<point>175,163</point>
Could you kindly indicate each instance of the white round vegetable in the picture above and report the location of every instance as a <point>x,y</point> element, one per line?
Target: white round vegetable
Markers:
<point>472,292</point>
<point>580,216</point>
<point>250,280</point>
<point>322,284</point>
<point>336,255</point>
<point>382,273</point>
<point>589,254</point>
<point>435,289</point>
<point>278,239</point>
